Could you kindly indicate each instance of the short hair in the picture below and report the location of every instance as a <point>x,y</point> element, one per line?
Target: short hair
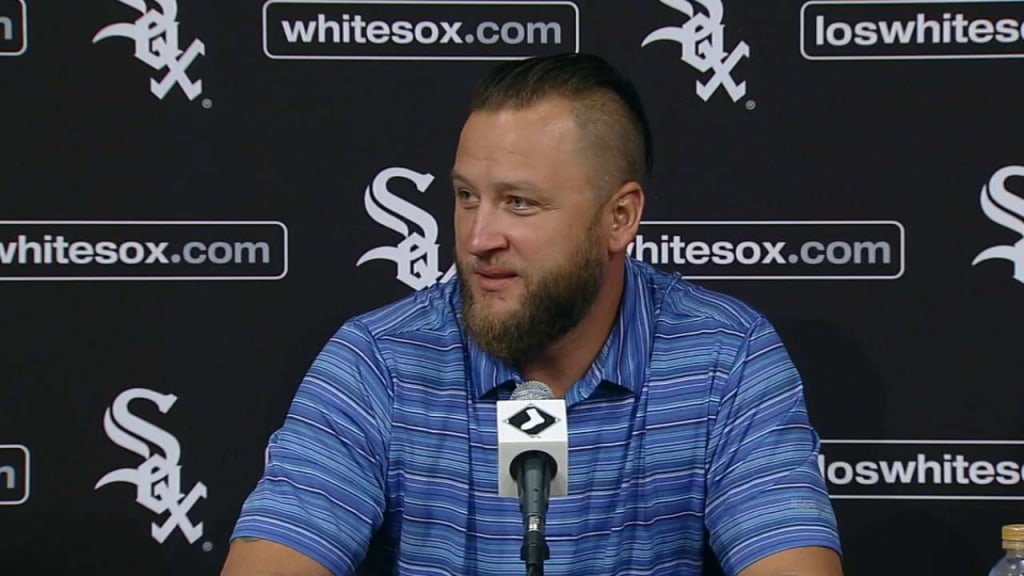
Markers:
<point>606,107</point>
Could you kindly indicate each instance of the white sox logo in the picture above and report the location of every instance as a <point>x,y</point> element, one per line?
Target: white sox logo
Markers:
<point>532,420</point>
<point>156,44</point>
<point>158,478</point>
<point>1006,209</point>
<point>415,257</point>
<point>702,39</point>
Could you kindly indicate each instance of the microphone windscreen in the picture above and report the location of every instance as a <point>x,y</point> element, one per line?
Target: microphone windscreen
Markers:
<point>532,390</point>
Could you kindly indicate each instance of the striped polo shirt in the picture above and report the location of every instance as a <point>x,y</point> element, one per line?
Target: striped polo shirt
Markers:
<point>689,425</point>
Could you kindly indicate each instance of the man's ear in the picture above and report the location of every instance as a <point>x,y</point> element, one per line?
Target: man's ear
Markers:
<point>626,208</point>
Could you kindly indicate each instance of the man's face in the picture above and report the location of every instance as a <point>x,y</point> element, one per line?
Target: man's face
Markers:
<point>530,247</point>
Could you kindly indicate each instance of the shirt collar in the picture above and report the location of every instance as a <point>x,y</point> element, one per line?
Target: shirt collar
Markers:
<point>620,365</point>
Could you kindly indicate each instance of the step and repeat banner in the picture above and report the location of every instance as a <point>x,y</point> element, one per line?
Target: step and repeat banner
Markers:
<point>195,194</point>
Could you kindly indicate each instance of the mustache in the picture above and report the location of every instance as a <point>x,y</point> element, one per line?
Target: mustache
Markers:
<point>473,264</point>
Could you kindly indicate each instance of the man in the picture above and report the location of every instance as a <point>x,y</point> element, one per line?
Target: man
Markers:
<point>685,414</point>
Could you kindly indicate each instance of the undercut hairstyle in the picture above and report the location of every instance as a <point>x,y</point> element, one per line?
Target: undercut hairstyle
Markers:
<point>615,134</point>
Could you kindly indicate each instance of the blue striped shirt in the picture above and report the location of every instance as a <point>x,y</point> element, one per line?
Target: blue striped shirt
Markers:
<point>690,424</point>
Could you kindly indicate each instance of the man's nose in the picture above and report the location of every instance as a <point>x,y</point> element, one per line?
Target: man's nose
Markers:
<point>487,233</point>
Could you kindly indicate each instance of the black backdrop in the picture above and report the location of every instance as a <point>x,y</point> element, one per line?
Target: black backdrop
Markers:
<point>195,194</point>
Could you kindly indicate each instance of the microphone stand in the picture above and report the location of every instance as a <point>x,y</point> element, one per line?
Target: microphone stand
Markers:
<point>535,472</point>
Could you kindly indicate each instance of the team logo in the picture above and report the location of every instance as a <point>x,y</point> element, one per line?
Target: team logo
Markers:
<point>158,478</point>
<point>702,38</point>
<point>532,420</point>
<point>155,34</point>
<point>1006,209</point>
<point>415,256</point>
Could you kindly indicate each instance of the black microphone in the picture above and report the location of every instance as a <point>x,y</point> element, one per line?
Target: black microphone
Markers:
<point>534,412</point>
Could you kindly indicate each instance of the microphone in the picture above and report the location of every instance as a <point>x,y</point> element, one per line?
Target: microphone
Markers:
<point>533,461</point>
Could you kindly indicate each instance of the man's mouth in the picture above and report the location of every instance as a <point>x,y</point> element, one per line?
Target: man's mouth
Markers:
<point>495,278</point>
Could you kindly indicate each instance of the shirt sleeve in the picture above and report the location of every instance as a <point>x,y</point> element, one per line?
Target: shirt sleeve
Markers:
<point>765,492</point>
<point>322,490</point>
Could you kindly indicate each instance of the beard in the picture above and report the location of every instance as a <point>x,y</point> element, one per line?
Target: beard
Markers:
<point>551,305</point>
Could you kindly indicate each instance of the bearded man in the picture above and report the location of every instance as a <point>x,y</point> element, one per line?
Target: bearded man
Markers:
<point>687,423</point>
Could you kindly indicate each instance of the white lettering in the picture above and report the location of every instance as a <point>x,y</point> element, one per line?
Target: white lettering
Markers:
<point>296,31</point>
<point>81,252</point>
<point>513,33</point>
<point>401,32</point>
<point>426,32</point>
<point>896,32</point>
<point>872,252</point>
<point>893,472</point>
<point>156,253</point>
<point>773,253</point>
<point>981,472</point>
<point>189,253</point>
<point>9,476</point>
<point>838,253</point>
<point>748,253</point>
<point>697,252</point>
<point>1007,31</point>
<point>867,473</point>
<point>106,253</point>
<point>252,252</point>
<point>924,465</point>
<point>926,26</point>
<point>840,473</point>
<point>131,253</point>
<point>922,470</point>
<point>378,32</point>
<point>921,30</point>
<point>219,253</point>
<point>355,29</point>
<point>55,250</point>
<point>672,249</point>
<point>537,33</point>
<point>981,31</point>
<point>8,252</point>
<point>488,32</point>
<point>324,25</point>
<point>451,33</point>
<point>1009,473</point>
<point>838,33</point>
<point>806,252</point>
<point>865,33</point>
<point>722,253</point>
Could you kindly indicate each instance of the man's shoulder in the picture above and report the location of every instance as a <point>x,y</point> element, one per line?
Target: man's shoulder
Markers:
<point>678,300</point>
<point>428,311</point>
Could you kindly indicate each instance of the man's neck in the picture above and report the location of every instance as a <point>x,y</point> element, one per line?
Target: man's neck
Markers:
<point>565,361</point>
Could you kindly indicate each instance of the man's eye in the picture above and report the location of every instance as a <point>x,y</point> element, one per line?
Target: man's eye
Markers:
<point>518,202</point>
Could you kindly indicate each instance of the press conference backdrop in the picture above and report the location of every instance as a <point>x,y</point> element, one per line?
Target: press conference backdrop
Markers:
<point>196,194</point>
